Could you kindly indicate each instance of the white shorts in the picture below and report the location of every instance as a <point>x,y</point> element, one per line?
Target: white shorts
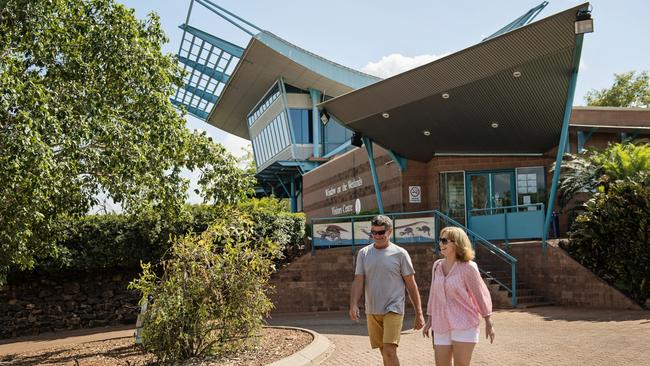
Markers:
<point>464,335</point>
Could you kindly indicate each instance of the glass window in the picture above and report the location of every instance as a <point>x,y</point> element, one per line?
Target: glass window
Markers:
<point>452,195</point>
<point>334,134</point>
<point>531,188</point>
<point>302,127</point>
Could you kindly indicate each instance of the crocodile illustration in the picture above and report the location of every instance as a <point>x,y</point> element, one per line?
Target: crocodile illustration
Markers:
<point>331,232</point>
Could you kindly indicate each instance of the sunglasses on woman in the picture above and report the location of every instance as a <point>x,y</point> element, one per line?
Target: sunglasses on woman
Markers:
<point>445,240</point>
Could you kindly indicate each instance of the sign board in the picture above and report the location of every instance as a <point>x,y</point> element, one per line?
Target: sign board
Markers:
<point>415,194</point>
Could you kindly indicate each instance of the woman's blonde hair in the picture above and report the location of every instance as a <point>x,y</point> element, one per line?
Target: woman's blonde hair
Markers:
<point>464,251</point>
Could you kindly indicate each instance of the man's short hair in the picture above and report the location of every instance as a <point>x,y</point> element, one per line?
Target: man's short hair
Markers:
<point>381,220</point>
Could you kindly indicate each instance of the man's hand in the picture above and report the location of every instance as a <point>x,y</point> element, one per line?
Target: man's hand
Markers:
<point>426,328</point>
<point>418,323</point>
<point>354,313</point>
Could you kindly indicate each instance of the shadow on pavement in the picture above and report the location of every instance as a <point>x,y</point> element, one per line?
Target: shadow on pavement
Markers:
<point>331,322</point>
<point>553,313</point>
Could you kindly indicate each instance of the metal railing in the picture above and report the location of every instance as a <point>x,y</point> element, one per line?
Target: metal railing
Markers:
<point>512,210</point>
<point>332,229</point>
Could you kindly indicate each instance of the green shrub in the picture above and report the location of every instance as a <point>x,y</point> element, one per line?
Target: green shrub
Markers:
<point>612,236</point>
<point>97,242</point>
<point>273,221</point>
<point>211,298</point>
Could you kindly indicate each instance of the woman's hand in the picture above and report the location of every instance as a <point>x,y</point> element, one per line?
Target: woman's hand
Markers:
<point>489,329</point>
<point>427,327</point>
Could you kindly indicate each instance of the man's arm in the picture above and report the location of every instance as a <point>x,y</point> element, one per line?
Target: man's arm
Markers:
<point>414,295</point>
<point>355,295</point>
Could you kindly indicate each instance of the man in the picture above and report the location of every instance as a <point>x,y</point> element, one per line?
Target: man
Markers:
<point>386,269</point>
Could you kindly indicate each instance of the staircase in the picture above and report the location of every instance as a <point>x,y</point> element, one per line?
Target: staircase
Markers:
<point>526,296</point>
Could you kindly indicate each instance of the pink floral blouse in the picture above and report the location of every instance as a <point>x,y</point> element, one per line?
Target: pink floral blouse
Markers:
<point>459,300</point>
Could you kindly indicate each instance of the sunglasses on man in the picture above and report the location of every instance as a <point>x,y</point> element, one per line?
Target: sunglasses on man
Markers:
<point>378,232</point>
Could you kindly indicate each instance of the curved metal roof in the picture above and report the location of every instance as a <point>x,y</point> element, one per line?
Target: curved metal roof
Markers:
<point>266,59</point>
<point>482,90</point>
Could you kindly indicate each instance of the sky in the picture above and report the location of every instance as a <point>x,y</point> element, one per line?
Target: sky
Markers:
<point>385,37</point>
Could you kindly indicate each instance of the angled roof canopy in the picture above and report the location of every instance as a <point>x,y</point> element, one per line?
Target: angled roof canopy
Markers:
<point>517,81</point>
<point>268,58</point>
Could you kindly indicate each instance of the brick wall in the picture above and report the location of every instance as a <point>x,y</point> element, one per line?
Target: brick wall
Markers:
<point>562,280</point>
<point>322,282</point>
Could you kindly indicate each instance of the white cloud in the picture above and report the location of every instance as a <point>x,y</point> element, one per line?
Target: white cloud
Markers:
<point>234,144</point>
<point>396,63</point>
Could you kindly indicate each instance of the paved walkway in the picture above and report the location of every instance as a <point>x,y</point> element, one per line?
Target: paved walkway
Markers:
<point>537,336</point>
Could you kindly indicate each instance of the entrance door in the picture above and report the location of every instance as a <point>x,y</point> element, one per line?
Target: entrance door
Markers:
<point>488,197</point>
<point>490,191</point>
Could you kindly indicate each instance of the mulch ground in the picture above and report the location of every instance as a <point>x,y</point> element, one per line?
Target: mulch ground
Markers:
<point>275,344</point>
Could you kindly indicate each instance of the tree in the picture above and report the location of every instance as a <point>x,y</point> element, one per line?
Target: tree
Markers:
<point>629,90</point>
<point>84,108</point>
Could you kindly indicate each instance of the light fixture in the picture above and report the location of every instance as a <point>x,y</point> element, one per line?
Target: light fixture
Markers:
<point>385,115</point>
<point>584,23</point>
<point>324,117</point>
<point>516,74</point>
<point>426,133</point>
<point>495,124</point>
<point>445,95</point>
<point>356,139</point>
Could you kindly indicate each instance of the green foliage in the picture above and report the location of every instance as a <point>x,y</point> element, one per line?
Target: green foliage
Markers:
<point>272,220</point>
<point>124,241</point>
<point>629,90</point>
<point>585,172</point>
<point>612,236</point>
<point>211,298</point>
<point>84,108</point>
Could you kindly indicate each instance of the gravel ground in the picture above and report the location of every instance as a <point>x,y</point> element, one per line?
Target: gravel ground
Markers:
<point>275,344</point>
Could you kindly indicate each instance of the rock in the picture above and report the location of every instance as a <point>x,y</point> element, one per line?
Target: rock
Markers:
<point>71,287</point>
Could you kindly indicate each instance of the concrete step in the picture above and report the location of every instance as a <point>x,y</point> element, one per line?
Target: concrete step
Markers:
<point>529,299</point>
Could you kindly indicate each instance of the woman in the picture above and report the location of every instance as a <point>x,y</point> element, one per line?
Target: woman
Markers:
<point>458,298</point>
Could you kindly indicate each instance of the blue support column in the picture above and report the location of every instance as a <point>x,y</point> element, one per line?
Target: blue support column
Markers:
<point>399,160</point>
<point>563,138</point>
<point>292,196</point>
<point>371,159</point>
<point>315,120</point>
<point>583,138</point>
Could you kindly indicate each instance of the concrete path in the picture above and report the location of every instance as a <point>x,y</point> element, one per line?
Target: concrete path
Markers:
<point>531,337</point>
<point>537,336</point>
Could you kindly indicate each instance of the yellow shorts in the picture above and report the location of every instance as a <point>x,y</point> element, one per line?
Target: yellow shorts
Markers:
<point>384,328</point>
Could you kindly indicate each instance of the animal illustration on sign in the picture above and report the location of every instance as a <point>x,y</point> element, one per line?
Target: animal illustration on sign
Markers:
<point>331,232</point>
<point>408,229</point>
<point>425,229</point>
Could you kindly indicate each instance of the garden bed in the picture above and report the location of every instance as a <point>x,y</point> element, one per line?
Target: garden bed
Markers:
<point>275,345</point>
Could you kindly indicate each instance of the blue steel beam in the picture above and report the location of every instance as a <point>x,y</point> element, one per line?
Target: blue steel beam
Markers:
<point>192,110</point>
<point>292,196</point>
<point>403,163</point>
<point>211,6</point>
<point>583,138</point>
<point>371,159</point>
<point>213,73</point>
<point>519,22</point>
<point>338,149</point>
<point>221,44</point>
<point>563,138</point>
<point>201,93</point>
